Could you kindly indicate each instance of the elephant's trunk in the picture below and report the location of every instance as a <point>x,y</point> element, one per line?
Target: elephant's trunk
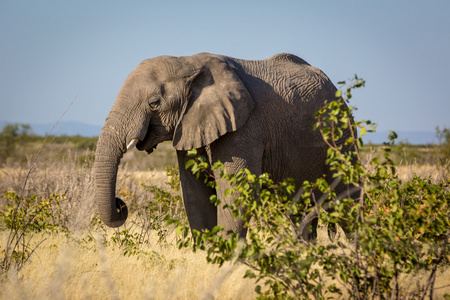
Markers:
<point>113,211</point>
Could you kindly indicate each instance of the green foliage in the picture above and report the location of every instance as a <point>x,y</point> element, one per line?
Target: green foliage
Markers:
<point>146,218</point>
<point>16,130</point>
<point>23,217</point>
<point>18,143</point>
<point>443,149</point>
<point>166,205</point>
<point>130,240</point>
<point>394,227</point>
<point>10,135</point>
<point>443,135</point>
<point>32,213</point>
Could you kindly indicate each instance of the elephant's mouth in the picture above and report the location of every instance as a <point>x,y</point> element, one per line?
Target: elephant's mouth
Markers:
<point>146,145</point>
<point>153,136</point>
<point>139,145</point>
<point>151,149</point>
<point>150,141</point>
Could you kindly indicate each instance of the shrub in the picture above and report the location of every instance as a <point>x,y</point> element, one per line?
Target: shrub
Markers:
<point>394,227</point>
<point>23,217</point>
<point>443,149</point>
<point>9,137</point>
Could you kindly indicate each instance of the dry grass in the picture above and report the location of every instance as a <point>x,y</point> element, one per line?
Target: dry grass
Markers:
<point>64,268</point>
<point>407,282</point>
<point>437,174</point>
<point>423,162</point>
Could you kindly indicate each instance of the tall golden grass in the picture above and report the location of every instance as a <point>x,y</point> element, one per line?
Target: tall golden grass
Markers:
<point>62,267</point>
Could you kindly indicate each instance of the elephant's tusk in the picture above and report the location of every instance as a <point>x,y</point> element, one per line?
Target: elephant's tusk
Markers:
<point>132,144</point>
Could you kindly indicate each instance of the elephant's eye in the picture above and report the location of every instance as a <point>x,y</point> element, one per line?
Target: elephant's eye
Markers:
<point>154,104</point>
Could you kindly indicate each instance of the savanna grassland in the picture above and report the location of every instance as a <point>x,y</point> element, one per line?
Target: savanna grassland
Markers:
<point>69,257</point>
<point>54,246</point>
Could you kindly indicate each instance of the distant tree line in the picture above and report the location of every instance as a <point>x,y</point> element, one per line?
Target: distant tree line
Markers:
<point>17,141</point>
<point>443,136</point>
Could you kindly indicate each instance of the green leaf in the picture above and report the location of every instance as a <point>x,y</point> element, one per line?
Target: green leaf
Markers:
<point>258,289</point>
<point>192,152</point>
<point>190,163</point>
<point>249,274</point>
<point>363,131</point>
<point>179,230</point>
<point>217,165</point>
<point>216,229</point>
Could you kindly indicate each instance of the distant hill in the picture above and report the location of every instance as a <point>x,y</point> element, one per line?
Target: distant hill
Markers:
<point>77,128</point>
<point>69,128</point>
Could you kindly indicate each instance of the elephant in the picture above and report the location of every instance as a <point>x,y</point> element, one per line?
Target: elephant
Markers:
<point>253,114</point>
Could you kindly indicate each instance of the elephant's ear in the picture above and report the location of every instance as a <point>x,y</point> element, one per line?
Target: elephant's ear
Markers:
<point>218,103</point>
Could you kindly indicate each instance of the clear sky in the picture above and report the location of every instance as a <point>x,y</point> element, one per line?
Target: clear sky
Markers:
<point>53,52</point>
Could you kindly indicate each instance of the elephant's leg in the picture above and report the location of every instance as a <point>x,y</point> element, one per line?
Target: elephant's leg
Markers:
<point>345,191</point>
<point>234,157</point>
<point>224,215</point>
<point>201,213</point>
<point>342,191</point>
<point>310,233</point>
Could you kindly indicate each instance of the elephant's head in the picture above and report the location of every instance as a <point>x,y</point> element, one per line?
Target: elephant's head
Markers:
<point>189,100</point>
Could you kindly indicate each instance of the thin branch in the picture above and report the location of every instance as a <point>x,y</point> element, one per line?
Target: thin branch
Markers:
<point>431,279</point>
<point>314,214</point>
<point>13,233</point>
<point>38,155</point>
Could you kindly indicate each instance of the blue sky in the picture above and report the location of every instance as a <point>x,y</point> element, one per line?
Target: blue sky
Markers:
<point>55,52</point>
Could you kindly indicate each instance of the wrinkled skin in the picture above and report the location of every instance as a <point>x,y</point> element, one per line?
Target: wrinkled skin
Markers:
<point>257,115</point>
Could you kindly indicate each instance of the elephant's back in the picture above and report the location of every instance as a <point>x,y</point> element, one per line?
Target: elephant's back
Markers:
<point>287,76</point>
<point>287,57</point>
<point>287,93</point>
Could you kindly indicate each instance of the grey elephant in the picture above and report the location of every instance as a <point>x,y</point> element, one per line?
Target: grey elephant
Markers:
<point>254,114</point>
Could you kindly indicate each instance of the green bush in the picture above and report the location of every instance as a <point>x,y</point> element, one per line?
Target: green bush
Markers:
<point>23,217</point>
<point>394,227</point>
<point>10,135</point>
<point>443,149</point>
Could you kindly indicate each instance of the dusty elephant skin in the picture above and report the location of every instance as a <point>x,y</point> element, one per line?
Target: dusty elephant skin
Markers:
<point>256,114</point>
